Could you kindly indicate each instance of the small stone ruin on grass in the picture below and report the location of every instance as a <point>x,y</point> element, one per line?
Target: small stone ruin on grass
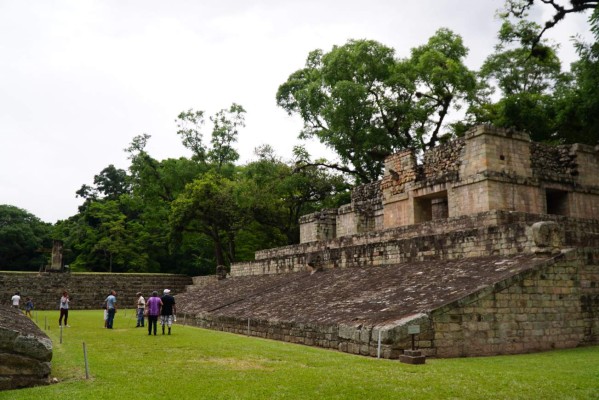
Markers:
<point>25,351</point>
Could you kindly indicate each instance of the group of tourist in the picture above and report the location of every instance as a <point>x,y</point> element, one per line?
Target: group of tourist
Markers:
<point>163,307</point>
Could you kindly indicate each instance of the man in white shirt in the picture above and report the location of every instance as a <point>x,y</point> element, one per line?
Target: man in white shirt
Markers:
<point>15,300</point>
<point>141,305</point>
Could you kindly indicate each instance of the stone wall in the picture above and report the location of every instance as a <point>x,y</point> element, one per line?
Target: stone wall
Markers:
<point>492,169</point>
<point>87,291</point>
<point>553,162</point>
<point>25,351</point>
<point>468,307</point>
<point>552,307</point>
<point>443,162</point>
<point>318,226</point>
<point>488,169</point>
<point>488,233</point>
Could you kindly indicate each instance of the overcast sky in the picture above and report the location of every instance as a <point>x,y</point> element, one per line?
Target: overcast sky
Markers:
<point>79,79</point>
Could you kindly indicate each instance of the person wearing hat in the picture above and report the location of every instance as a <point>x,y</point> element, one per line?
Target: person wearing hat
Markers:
<point>141,305</point>
<point>154,304</point>
<point>168,310</point>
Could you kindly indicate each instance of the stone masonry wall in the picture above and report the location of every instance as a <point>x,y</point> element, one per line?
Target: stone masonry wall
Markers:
<point>553,162</point>
<point>489,233</point>
<point>25,351</point>
<point>318,226</point>
<point>345,338</point>
<point>543,309</point>
<point>488,169</point>
<point>87,291</point>
<point>443,162</point>
<point>540,302</point>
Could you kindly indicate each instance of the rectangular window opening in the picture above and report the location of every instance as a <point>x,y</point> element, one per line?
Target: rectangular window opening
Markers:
<point>431,207</point>
<point>557,202</point>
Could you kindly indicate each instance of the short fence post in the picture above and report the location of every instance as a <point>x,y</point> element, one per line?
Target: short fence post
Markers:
<point>378,352</point>
<point>248,327</point>
<point>86,363</point>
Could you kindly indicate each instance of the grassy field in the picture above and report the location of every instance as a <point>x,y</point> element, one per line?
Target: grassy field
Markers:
<point>192,363</point>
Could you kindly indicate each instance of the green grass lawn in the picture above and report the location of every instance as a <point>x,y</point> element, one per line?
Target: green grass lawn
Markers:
<point>192,363</point>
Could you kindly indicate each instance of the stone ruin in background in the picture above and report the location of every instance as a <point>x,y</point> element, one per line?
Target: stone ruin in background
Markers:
<point>489,169</point>
<point>489,246</point>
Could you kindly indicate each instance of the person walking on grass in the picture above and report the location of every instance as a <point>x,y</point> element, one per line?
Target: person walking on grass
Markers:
<point>141,305</point>
<point>64,309</point>
<point>168,312</point>
<point>111,308</point>
<point>153,306</point>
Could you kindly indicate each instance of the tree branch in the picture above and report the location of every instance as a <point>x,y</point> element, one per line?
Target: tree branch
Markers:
<point>335,166</point>
<point>560,13</point>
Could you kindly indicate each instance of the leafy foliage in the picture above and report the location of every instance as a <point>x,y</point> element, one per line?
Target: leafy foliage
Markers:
<point>362,102</point>
<point>208,206</point>
<point>578,101</point>
<point>23,238</point>
<point>564,107</point>
<point>526,81</point>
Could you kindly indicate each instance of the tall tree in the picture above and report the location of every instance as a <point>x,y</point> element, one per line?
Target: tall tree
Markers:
<point>512,66</point>
<point>571,106</point>
<point>226,124</point>
<point>110,183</point>
<point>282,193</point>
<point>525,80</point>
<point>225,129</point>
<point>361,101</point>
<point>578,101</point>
<point>155,185</point>
<point>209,205</point>
<point>189,124</point>
<point>22,236</point>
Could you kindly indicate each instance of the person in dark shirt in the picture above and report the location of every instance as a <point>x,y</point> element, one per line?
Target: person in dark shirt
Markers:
<point>168,311</point>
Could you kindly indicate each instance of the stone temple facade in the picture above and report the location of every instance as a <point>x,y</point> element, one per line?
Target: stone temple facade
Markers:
<point>489,245</point>
<point>489,169</point>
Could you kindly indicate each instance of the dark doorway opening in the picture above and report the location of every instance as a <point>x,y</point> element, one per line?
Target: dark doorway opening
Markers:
<point>557,202</point>
<point>431,207</point>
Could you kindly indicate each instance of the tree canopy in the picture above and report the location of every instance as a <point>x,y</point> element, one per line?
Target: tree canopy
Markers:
<point>363,102</point>
<point>24,240</point>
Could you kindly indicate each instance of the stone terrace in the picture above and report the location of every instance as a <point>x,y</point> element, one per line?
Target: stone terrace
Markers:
<point>344,308</point>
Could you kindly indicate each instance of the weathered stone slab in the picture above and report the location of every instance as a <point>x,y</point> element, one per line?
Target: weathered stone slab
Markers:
<point>25,351</point>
